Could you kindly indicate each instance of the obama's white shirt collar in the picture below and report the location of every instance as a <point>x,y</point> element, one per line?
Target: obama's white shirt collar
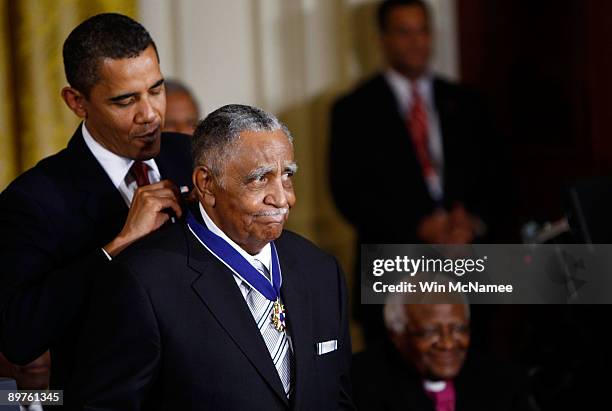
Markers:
<point>115,166</point>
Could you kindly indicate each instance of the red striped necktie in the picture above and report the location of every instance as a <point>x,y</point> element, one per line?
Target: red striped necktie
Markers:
<point>417,124</point>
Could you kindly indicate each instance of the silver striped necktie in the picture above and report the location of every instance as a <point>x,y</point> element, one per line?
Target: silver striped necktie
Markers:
<point>276,342</point>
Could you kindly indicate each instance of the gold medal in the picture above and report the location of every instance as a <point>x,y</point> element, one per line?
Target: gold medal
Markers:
<point>278,316</point>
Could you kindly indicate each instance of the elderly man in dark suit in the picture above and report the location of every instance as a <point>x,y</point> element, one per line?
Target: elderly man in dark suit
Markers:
<point>115,182</point>
<point>226,310</point>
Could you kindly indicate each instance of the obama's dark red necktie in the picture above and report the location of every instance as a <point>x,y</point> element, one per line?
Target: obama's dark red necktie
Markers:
<point>140,171</point>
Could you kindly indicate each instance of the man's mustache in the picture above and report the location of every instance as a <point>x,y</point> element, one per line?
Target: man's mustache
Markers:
<point>270,213</point>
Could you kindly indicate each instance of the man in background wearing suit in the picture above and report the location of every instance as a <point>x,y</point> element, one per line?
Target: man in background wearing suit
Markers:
<point>427,367</point>
<point>225,311</point>
<point>410,151</point>
<point>74,211</point>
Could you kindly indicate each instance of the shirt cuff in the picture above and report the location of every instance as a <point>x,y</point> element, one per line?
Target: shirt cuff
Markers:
<point>106,254</point>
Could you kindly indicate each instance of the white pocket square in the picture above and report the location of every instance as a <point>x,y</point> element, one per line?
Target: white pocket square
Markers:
<point>327,346</point>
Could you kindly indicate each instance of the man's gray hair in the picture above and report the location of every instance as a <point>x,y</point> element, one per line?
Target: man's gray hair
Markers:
<point>394,311</point>
<point>214,137</point>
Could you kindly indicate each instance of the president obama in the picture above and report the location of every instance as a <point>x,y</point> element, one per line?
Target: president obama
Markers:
<point>226,310</point>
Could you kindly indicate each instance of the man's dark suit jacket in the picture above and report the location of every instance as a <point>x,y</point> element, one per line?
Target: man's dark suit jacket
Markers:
<point>376,179</point>
<point>382,381</point>
<point>54,220</point>
<point>170,330</point>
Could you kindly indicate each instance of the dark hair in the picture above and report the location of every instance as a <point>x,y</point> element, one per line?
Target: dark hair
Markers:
<point>385,8</point>
<point>106,35</point>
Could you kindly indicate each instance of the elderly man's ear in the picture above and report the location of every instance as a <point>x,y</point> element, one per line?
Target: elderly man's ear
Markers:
<point>203,182</point>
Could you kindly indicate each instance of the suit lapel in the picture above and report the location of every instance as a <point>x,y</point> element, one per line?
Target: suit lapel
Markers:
<point>401,383</point>
<point>408,391</point>
<point>217,289</point>
<point>446,108</point>
<point>173,160</point>
<point>102,199</point>
<point>165,165</point>
<point>389,109</point>
<point>298,304</point>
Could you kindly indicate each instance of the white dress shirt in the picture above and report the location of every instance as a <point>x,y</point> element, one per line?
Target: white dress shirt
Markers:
<point>264,256</point>
<point>402,90</point>
<point>117,167</point>
<point>35,406</point>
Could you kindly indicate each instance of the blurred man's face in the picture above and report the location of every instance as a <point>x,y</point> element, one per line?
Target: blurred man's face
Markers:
<point>407,40</point>
<point>34,376</point>
<point>125,109</point>
<point>435,340</point>
<point>181,113</point>
<point>250,202</point>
